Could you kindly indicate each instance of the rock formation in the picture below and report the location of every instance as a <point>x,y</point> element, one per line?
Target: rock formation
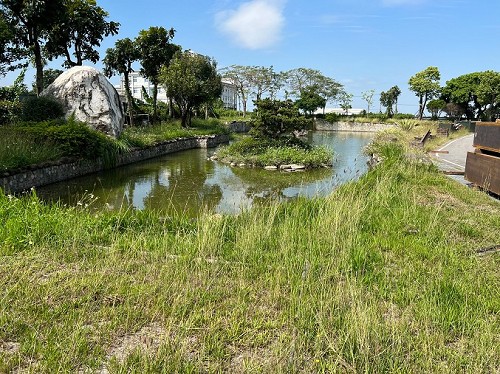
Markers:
<point>86,93</point>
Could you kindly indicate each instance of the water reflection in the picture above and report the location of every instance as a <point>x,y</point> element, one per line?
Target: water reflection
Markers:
<point>187,182</point>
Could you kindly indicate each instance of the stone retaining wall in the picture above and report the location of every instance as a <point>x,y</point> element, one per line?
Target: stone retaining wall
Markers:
<point>38,177</point>
<point>323,125</point>
<point>239,126</point>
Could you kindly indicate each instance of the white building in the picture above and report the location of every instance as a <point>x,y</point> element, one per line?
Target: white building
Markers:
<point>137,82</point>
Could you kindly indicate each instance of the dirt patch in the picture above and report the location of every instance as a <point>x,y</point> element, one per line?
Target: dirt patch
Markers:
<point>10,348</point>
<point>147,340</point>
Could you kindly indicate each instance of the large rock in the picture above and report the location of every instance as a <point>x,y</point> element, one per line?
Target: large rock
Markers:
<point>86,93</point>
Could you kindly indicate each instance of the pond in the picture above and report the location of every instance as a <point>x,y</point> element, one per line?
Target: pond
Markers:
<point>187,182</point>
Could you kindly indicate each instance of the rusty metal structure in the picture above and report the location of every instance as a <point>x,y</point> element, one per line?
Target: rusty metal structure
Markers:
<point>483,165</point>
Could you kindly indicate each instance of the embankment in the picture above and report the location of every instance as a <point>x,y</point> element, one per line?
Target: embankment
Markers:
<point>40,176</point>
<point>323,125</point>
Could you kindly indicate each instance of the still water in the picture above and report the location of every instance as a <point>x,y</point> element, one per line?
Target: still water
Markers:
<point>187,182</point>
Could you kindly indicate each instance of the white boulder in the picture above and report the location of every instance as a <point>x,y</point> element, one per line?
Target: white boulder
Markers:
<point>86,93</point>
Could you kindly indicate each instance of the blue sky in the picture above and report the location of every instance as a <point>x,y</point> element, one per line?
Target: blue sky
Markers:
<point>363,44</point>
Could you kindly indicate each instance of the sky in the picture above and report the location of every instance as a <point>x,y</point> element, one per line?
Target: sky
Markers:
<point>363,44</point>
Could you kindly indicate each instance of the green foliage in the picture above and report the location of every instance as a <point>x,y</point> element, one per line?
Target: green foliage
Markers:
<point>477,95</point>
<point>20,149</point>
<point>310,100</point>
<point>435,107</point>
<point>73,138</point>
<point>30,23</point>
<point>264,152</point>
<point>406,124</point>
<point>191,80</point>
<point>277,118</point>
<point>80,30</point>
<point>41,108</point>
<point>389,99</point>
<point>9,111</point>
<point>155,52</point>
<point>426,86</point>
<point>49,76</point>
<point>380,277</point>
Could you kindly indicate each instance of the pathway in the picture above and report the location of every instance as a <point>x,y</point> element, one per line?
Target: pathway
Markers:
<point>454,160</point>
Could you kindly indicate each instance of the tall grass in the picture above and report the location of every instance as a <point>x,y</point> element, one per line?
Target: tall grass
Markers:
<point>19,150</point>
<point>381,276</point>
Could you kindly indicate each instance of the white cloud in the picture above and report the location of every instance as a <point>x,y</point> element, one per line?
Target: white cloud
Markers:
<point>256,24</point>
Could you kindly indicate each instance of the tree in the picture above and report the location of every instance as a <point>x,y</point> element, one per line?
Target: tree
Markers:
<point>82,28</point>
<point>191,80</point>
<point>277,119</point>
<point>425,84</point>
<point>345,101</point>
<point>478,94</point>
<point>310,100</point>
<point>156,52</point>
<point>436,107</point>
<point>49,76</point>
<point>29,23</point>
<point>119,60</point>
<point>368,97</point>
<point>395,92</point>
<point>389,100</point>
<point>9,52</point>
<point>241,77</point>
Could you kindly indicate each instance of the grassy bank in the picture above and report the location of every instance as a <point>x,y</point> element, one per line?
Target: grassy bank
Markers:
<point>381,276</point>
<point>260,153</point>
<point>31,143</point>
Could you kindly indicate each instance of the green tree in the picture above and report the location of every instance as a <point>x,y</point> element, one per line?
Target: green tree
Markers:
<point>368,97</point>
<point>345,101</point>
<point>478,94</point>
<point>29,22</point>
<point>81,30</point>
<point>155,52</point>
<point>310,100</point>
<point>9,52</point>
<point>277,119</point>
<point>436,107</point>
<point>49,76</point>
<point>389,100</point>
<point>191,80</point>
<point>119,60</point>
<point>426,86</point>
<point>242,78</point>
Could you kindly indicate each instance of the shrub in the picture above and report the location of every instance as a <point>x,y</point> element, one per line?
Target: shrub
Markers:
<point>73,138</point>
<point>9,111</point>
<point>40,108</point>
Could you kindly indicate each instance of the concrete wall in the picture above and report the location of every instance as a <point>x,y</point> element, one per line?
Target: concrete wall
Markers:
<point>38,177</point>
<point>323,125</point>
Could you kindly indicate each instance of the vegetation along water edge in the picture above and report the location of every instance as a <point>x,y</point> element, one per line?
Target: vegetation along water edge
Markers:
<point>387,274</point>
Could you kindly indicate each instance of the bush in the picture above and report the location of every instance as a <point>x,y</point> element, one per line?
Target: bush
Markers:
<point>73,138</point>
<point>40,108</point>
<point>9,111</point>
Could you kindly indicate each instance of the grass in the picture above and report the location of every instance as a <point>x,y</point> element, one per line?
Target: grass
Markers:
<point>150,135</point>
<point>257,152</point>
<point>19,150</point>
<point>381,276</point>
<point>37,143</point>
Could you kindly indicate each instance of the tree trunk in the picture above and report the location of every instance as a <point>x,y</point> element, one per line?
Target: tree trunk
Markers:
<point>130,108</point>
<point>420,107</point>
<point>39,67</point>
<point>155,98</point>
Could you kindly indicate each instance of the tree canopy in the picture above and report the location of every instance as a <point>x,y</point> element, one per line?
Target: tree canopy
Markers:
<point>155,52</point>
<point>191,80</point>
<point>119,60</point>
<point>426,86</point>
<point>81,28</point>
<point>28,25</point>
<point>310,100</point>
<point>389,100</point>
<point>277,119</point>
<point>476,94</point>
